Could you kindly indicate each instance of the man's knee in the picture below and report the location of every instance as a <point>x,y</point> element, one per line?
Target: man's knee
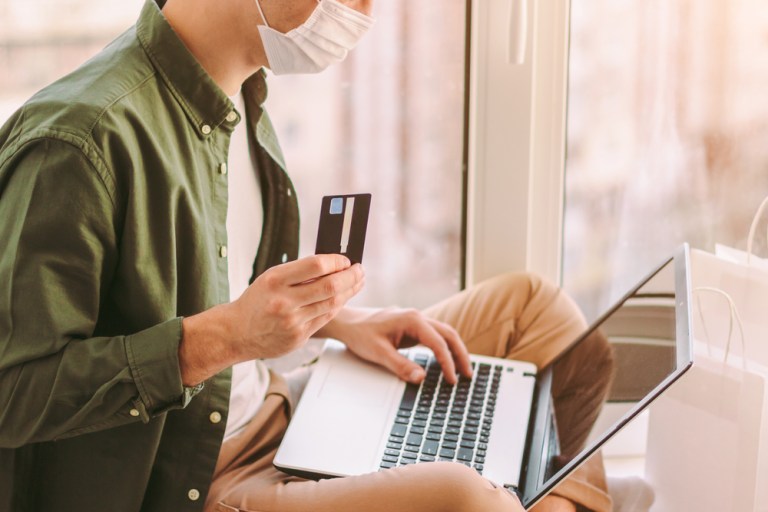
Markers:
<point>518,282</point>
<point>460,488</point>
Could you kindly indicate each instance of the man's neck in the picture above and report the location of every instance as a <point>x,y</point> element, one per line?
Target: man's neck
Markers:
<point>223,37</point>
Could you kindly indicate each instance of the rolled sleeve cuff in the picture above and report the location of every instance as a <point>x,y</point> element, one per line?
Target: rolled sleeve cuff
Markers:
<point>153,357</point>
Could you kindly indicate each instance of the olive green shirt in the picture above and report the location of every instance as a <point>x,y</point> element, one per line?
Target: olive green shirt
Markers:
<point>113,201</point>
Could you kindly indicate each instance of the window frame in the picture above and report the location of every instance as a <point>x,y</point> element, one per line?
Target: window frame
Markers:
<point>516,141</point>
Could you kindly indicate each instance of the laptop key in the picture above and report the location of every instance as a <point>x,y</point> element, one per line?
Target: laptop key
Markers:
<point>410,448</point>
<point>429,448</point>
<point>408,456</point>
<point>390,458</point>
<point>390,451</point>
<point>433,436</point>
<point>426,458</point>
<point>468,444</point>
<point>464,454</point>
<point>409,396</point>
<point>447,453</point>
<point>398,430</point>
<point>414,440</point>
<point>395,446</point>
<point>387,465</point>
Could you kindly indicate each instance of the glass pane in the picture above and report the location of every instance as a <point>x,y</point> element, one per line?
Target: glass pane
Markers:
<point>41,40</point>
<point>667,123</point>
<point>388,121</point>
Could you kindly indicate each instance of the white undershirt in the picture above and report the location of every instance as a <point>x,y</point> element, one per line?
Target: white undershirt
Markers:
<point>245,215</point>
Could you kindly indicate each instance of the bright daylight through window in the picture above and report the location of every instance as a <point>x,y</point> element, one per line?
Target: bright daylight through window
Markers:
<point>388,121</point>
<point>666,135</point>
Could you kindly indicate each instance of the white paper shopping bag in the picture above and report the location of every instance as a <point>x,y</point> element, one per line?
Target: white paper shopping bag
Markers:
<point>704,441</point>
<point>748,287</point>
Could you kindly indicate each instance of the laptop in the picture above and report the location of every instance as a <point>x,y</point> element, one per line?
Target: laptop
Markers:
<point>355,417</point>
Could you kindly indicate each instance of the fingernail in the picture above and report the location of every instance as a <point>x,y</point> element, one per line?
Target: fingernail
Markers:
<point>416,376</point>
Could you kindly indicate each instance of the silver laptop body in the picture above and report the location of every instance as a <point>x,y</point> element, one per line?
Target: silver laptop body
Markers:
<point>355,417</point>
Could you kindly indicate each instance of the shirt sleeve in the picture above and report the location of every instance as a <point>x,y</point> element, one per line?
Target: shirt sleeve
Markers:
<point>58,226</point>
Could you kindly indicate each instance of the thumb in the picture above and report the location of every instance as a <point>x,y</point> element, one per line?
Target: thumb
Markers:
<point>403,367</point>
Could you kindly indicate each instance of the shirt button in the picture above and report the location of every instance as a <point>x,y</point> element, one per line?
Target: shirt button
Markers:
<point>223,169</point>
<point>285,257</point>
<point>215,417</point>
<point>232,117</point>
<point>193,494</point>
<point>205,129</point>
<point>223,251</point>
<point>135,412</point>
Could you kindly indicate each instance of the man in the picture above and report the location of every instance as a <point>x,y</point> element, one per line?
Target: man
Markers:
<point>118,334</point>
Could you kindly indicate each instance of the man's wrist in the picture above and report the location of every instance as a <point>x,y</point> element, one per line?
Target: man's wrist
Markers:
<point>205,347</point>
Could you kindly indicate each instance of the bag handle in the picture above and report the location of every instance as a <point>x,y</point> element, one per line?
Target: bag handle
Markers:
<point>753,228</point>
<point>734,314</point>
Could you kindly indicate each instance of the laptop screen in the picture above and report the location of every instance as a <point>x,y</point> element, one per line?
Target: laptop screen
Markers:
<point>648,332</point>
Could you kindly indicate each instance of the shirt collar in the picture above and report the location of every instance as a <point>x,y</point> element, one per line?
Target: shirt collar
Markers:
<point>201,98</point>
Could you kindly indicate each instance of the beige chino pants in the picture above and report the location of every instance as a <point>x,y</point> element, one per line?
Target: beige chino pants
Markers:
<point>515,316</point>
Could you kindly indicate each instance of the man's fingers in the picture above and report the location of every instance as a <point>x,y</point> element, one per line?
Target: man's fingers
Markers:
<point>330,286</point>
<point>456,345</point>
<point>401,366</point>
<point>332,304</point>
<point>313,267</point>
<point>430,337</point>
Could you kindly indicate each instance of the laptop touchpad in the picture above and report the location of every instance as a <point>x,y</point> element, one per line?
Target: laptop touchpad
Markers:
<point>342,427</point>
<point>353,384</point>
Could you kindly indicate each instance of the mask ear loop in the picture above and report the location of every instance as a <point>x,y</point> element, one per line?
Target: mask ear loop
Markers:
<point>734,313</point>
<point>261,13</point>
<point>753,228</point>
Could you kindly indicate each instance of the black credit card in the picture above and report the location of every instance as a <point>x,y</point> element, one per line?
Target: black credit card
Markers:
<point>343,223</point>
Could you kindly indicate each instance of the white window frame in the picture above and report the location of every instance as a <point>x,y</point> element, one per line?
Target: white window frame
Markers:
<point>517,121</point>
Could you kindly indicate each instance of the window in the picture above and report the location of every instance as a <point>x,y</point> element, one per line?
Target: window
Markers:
<point>667,123</point>
<point>389,120</point>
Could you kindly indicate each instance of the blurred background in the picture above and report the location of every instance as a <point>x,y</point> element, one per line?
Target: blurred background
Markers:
<point>667,130</point>
<point>389,121</point>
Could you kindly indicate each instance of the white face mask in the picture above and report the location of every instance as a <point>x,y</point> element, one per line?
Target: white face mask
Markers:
<point>324,39</point>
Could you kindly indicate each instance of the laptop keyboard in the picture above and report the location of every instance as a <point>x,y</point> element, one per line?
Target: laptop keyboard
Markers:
<point>440,421</point>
